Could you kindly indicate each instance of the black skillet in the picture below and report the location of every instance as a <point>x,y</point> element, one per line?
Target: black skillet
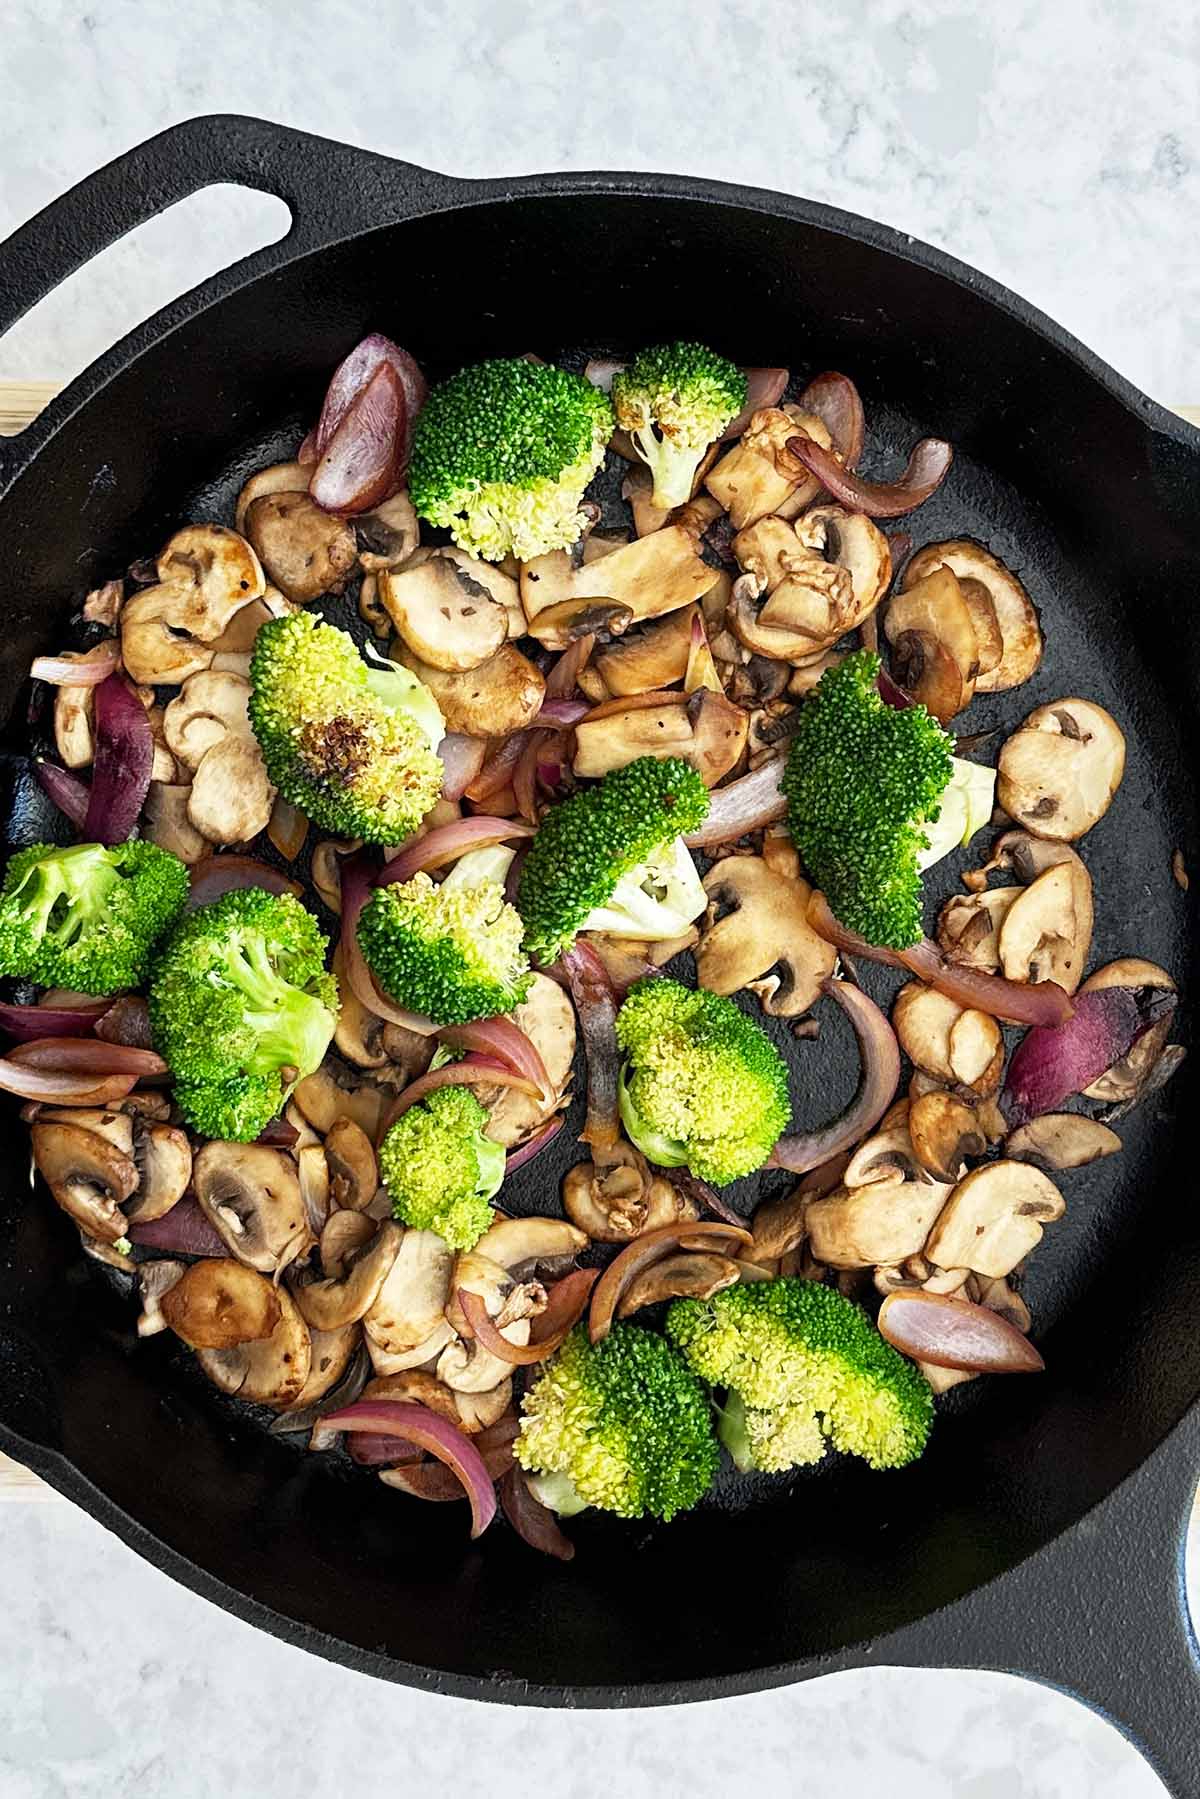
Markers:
<point>1043,1531</point>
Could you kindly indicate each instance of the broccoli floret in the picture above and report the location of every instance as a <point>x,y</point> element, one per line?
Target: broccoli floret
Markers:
<point>621,1425</point>
<point>439,1168</point>
<point>702,1084</point>
<point>609,859</point>
<point>87,917</point>
<point>354,747</point>
<point>452,953</point>
<point>502,453</point>
<point>674,400</point>
<point>862,782</point>
<point>802,1365</point>
<point>238,995</point>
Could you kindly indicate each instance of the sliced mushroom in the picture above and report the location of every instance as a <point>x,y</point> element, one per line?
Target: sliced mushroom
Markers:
<point>164,1160</point>
<point>945,1133</point>
<point>330,1354</point>
<point>250,1194</point>
<point>353,1170</point>
<point>1000,610</point>
<point>923,1019</point>
<point>313,1172</point>
<point>976,1052</point>
<point>165,821</point>
<point>883,1221</point>
<point>88,1177</point>
<point>336,1090</point>
<point>887,1155</point>
<point>231,798</point>
<point>154,1279</point>
<point>306,552</point>
<point>238,637</point>
<point>1000,1296</point>
<point>345,1233</point>
<point>207,707</point>
<point>419,1387</point>
<point>1061,1140</point>
<point>647,660</point>
<point>756,935</point>
<point>154,650</point>
<point>608,1205</point>
<point>1125,1078</point>
<point>410,1305</point>
<point>854,542</point>
<point>359,1034</point>
<point>73,711</point>
<point>329,1304</point>
<point>969,927</point>
<point>272,1372</point>
<point>993,1218</point>
<point>651,576</point>
<point>1057,774</point>
<point>479,1411</point>
<point>470,1368</point>
<point>935,650</point>
<point>504,694</point>
<point>280,477</point>
<point>114,1126</point>
<point>1026,856</point>
<point>689,1275</point>
<point>529,1242</point>
<point>1047,929</point>
<point>759,475</point>
<point>444,613</point>
<point>547,1018</point>
<point>388,535</point>
<point>206,574</point>
<point>703,729</point>
<point>425,1355</point>
<point>220,1303</point>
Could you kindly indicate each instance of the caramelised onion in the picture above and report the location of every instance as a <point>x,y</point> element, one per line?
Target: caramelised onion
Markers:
<point>58,1089</point>
<point>745,805</point>
<point>417,1424</point>
<point>692,1187</point>
<point>462,759</point>
<point>87,1056</point>
<point>496,774</point>
<point>69,793</point>
<point>835,400</point>
<point>642,1253</point>
<point>880,1057</point>
<point>126,1021</point>
<point>1043,1002</point>
<point>927,468</point>
<point>594,1000</point>
<point>226,874</point>
<point>64,671</point>
<point>357,874</point>
<point>287,828</point>
<point>26,1023</point>
<point>517,1158</point>
<point>955,1333</point>
<point>562,712</point>
<point>524,781</point>
<point>764,387</point>
<point>563,678</point>
<point>122,764</point>
<point>361,466</point>
<point>279,1133</point>
<point>892,694</point>
<point>373,1449</point>
<point>533,1522</point>
<point>350,378</point>
<point>565,1306</point>
<point>500,1038</point>
<point>429,1480</point>
<point>1049,1065</point>
<point>472,1071</point>
<point>184,1230</point>
<point>437,849</point>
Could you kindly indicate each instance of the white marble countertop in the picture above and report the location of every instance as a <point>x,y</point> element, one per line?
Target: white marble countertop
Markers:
<point>1056,147</point>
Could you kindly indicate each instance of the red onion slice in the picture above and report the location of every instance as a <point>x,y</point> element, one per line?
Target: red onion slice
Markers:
<point>563,678</point>
<point>835,400</point>
<point>892,694</point>
<point>880,1056</point>
<point>500,1038</point>
<point>440,1438</point>
<point>370,1449</point>
<point>745,805</point>
<point>927,468</point>
<point>430,1481</point>
<point>955,1333</point>
<point>123,761</point>
<point>184,1230</point>
<point>225,874</point>
<point>348,380</point>
<point>518,1157</point>
<point>361,464</point>
<point>1014,1001</point>
<point>27,1023</point>
<point>594,1000</point>
<point>764,387</point>
<point>58,1089</point>
<point>1049,1065</point>
<point>562,712</point>
<point>462,759</point>
<point>127,1021</point>
<point>472,1071</point>
<point>65,671</point>
<point>87,1056</point>
<point>642,1253</point>
<point>568,1309</point>
<point>357,873</point>
<point>524,782</point>
<point>496,774</point>
<point>692,1187</point>
<point>69,793</point>
<point>439,848</point>
<point>533,1522</point>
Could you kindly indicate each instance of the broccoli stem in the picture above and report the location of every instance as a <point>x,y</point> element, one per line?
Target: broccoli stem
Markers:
<point>81,879</point>
<point>731,1429</point>
<point>291,1026</point>
<point>558,1493</point>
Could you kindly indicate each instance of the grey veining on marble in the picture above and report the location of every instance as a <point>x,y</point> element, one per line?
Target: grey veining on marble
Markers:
<point>1054,145</point>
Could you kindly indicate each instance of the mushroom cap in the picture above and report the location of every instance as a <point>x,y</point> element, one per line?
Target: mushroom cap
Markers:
<point>330,1353</point>
<point>388,534</point>
<point>929,626</point>
<point>154,648</point>
<point>985,580</point>
<point>250,1194</point>
<point>1058,772</point>
<point>165,822</point>
<point>409,1306</point>
<point>757,936</point>
<point>444,613</point>
<point>547,1018</point>
<point>944,1132</point>
<point>329,1304</point>
<point>344,1234</point>
<point>1061,1140</point>
<point>219,1303</point>
<point>353,1168</point>
<point>207,707</point>
<point>231,796</point>
<point>1046,933</point>
<point>854,542</point>
<point>521,1242</point>
<point>305,551</point>
<point>89,1177</point>
<point>279,477</point>
<point>502,695</point>
<point>994,1218</point>
<point>273,1370</point>
<point>164,1160</point>
<point>220,571</point>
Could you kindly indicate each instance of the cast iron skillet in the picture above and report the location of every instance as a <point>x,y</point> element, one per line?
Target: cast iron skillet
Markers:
<point>1043,1530</point>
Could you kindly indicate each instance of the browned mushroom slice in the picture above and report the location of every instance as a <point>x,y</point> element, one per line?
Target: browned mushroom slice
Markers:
<point>330,1354</point>
<point>154,649</point>
<point>618,738</point>
<point>359,1033</point>
<point>250,1194</point>
<point>353,1170</point>
<point>808,672</point>
<point>421,1387</point>
<point>313,1172</point>
<point>88,1177</point>
<point>759,475</point>
<point>220,1303</point>
<point>778,644</point>
<point>517,1242</point>
<point>408,1310</point>
<point>165,821</point>
<point>883,1221</point>
<point>757,936</point>
<point>652,576</point>
<point>1125,1078</point>
<point>648,659</point>
<point>231,797</point>
<point>976,1049</point>
<point>273,1371</point>
<point>504,694</point>
<point>114,1126</point>
<point>1061,1140</point>
<point>207,707</point>
<point>1047,930</point>
<point>923,1019</point>
<point>164,1159</point>
<point>336,1090</point>
<point>306,552</point>
<point>695,1275</point>
<point>853,542</point>
<point>479,1411</point>
<point>344,1234</point>
<point>206,574</point>
<point>547,1018</point>
<point>330,1304</point>
<point>280,477</point>
<point>1057,774</point>
<point>994,1217</point>
<point>945,1133</point>
<point>1000,610</point>
<point>935,651</point>
<point>445,614</point>
<point>969,927</point>
<point>387,536</point>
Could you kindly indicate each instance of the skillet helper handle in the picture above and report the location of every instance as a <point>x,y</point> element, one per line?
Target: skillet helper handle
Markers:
<point>329,188</point>
<point>1101,1613</point>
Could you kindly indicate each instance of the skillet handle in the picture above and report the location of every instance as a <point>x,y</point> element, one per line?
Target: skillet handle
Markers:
<point>1100,1613</point>
<point>330,188</point>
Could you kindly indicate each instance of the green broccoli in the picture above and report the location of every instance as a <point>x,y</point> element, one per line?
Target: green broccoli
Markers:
<point>862,782</point>
<point>451,952</point>
<point>610,858</point>
<point>241,1008</point>
<point>674,400</point>
<point>353,746</point>
<point>87,917</point>
<point>802,1364</point>
<point>621,1425</point>
<point>702,1084</point>
<point>439,1168</point>
<point>502,453</point>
